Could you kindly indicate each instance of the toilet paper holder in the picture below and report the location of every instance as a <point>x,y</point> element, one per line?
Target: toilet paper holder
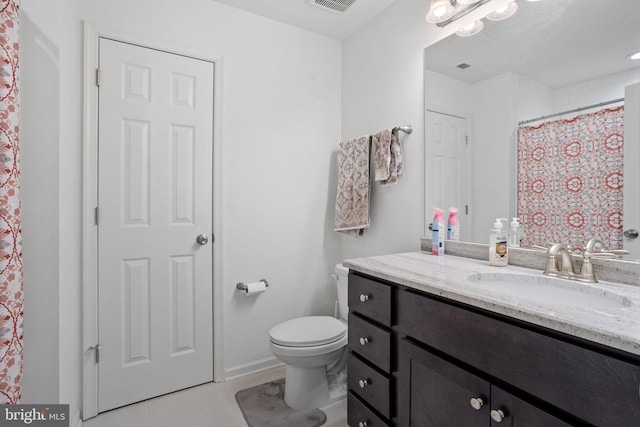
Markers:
<point>241,286</point>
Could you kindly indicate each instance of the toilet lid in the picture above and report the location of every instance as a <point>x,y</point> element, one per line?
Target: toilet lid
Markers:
<point>308,331</point>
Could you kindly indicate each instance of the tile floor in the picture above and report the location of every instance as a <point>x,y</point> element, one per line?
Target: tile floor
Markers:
<point>210,405</point>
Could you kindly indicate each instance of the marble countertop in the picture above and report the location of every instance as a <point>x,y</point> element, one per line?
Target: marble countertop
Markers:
<point>610,314</point>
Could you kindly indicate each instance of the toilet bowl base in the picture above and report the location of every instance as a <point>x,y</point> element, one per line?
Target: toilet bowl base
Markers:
<point>306,387</point>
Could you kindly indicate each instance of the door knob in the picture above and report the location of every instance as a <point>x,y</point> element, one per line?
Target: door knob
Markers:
<point>631,233</point>
<point>202,239</point>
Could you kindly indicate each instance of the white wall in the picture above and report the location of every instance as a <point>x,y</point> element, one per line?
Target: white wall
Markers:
<point>382,82</point>
<point>445,94</point>
<point>39,152</point>
<point>493,170</point>
<point>280,91</point>
<point>594,91</point>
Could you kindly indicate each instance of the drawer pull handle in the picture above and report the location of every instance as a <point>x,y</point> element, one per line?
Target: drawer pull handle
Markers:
<point>497,415</point>
<point>364,298</point>
<point>364,341</point>
<point>363,383</point>
<point>476,403</point>
<point>363,424</point>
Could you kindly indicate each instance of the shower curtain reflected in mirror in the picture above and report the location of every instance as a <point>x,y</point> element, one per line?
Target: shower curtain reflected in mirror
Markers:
<point>11,295</point>
<point>570,179</point>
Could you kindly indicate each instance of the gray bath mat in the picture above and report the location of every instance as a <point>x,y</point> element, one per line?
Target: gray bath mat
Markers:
<point>263,406</point>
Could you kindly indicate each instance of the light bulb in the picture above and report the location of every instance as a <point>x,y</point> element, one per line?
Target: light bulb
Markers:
<point>439,11</point>
<point>470,29</point>
<point>503,12</point>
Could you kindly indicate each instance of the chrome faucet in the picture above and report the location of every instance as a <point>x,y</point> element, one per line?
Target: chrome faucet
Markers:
<point>559,268</point>
<point>564,268</point>
<point>587,274</point>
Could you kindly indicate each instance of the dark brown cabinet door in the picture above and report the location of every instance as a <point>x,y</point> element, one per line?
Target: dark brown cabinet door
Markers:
<point>435,393</point>
<point>514,412</point>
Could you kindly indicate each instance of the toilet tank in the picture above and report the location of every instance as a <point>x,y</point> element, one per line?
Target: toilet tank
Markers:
<point>342,278</point>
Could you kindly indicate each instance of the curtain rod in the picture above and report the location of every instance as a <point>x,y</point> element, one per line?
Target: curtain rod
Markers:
<point>575,110</point>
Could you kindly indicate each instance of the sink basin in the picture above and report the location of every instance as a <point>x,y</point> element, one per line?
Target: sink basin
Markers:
<point>548,291</point>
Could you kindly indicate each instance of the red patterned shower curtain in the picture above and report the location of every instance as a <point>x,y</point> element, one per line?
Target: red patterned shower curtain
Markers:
<point>11,295</point>
<point>570,177</point>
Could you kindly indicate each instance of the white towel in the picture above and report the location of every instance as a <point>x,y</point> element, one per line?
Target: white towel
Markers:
<point>387,152</point>
<point>352,198</point>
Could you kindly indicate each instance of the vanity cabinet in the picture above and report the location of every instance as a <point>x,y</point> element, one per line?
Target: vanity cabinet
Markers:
<point>452,364</point>
<point>369,363</point>
<point>542,374</point>
<point>434,392</point>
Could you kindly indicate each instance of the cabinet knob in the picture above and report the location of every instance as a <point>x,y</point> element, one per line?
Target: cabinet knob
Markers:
<point>364,298</point>
<point>363,424</point>
<point>476,403</point>
<point>363,383</point>
<point>497,415</point>
<point>364,341</point>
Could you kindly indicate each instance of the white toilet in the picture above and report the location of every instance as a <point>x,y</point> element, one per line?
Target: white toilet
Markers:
<point>314,350</point>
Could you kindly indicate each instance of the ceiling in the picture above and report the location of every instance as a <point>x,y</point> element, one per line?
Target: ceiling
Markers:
<point>555,42</point>
<point>305,15</point>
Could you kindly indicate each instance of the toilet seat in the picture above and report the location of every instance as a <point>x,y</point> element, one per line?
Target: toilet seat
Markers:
<point>310,331</point>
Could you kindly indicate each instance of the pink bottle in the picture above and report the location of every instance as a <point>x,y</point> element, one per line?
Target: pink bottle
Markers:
<point>453,225</point>
<point>438,232</point>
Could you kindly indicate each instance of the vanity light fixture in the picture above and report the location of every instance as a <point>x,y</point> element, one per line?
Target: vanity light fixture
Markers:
<point>504,12</point>
<point>444,12</point>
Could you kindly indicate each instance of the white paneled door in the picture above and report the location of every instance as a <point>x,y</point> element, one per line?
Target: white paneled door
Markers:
<point>154,223</point>
<point>446,168</point>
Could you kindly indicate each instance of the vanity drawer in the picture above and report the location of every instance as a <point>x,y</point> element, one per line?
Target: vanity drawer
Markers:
<point>369,384</point>
<point>370,298</point>
<point>371,342</point>
<point>541,364</point>
<point>359,415</point>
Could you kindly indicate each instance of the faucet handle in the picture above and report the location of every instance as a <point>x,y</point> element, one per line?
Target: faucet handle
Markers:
<point>610,253</point>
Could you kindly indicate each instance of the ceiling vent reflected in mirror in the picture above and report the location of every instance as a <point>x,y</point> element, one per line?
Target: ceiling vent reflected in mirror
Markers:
<point>339,6</point>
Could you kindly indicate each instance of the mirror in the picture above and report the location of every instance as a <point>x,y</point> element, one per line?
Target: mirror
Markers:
<point>552,56</point>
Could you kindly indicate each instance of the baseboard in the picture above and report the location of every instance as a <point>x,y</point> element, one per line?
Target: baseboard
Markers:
<point>252,368</point>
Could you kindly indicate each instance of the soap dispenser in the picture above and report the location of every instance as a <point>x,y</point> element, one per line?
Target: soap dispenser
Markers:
<point>498,245</point>
<point>514,233</point>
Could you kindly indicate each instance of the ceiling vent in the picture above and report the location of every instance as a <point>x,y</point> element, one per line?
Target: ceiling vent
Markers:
<point>339,6</point>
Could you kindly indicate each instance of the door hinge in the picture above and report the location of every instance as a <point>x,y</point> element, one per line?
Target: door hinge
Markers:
<point>96,216</point>
<point>96,352</point>
<point>466,140</point>
<point>98,77</point>
<point>466,209</point>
